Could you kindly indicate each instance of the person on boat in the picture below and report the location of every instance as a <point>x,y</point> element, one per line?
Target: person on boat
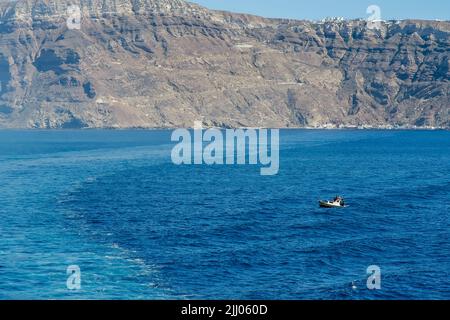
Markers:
<point>339,200</point>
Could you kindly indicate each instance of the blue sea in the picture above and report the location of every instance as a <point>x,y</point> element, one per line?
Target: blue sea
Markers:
<point>140,227</point>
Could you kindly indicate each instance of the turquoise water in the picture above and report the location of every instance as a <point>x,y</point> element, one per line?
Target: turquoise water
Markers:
<point>140,227</point>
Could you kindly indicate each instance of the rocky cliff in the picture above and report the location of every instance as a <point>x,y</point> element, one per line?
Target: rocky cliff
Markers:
<point>168,63</point>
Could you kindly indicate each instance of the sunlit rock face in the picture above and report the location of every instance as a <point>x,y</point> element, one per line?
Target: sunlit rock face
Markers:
<point>168,63</point>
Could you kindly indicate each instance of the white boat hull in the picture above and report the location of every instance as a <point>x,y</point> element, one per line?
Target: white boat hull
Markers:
<point>328,204</point>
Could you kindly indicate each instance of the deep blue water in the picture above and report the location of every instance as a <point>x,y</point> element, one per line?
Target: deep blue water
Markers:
<point>140,227</point>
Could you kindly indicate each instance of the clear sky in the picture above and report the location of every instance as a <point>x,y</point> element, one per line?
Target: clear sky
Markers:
<point>318,9</point>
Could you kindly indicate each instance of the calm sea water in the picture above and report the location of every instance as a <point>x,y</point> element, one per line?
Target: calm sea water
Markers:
<point>140,227</point>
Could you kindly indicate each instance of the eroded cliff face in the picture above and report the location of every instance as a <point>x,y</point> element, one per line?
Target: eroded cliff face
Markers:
<point>168,63</point>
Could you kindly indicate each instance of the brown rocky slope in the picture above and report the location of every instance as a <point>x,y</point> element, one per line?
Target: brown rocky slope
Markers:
<point>168,63</point>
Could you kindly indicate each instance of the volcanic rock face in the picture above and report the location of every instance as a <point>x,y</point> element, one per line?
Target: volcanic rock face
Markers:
<point>168,63</point>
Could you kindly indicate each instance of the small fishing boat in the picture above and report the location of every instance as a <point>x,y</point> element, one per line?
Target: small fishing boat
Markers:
<point>338,202</point>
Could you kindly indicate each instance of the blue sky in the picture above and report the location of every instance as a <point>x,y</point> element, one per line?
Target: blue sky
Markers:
<point>317,9</point>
